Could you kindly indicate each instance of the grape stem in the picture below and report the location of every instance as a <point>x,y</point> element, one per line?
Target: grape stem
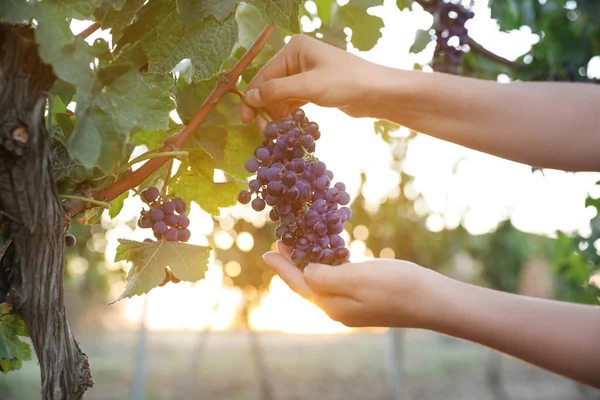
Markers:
<point>178,141</point>
<point>163,190</point>
<point>259,111</point>
<point>103,204</point>
<point>89,30</point>
<point>152,154</point>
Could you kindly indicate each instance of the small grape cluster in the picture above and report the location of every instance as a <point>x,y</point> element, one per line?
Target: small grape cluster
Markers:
<point>166,217</point>
<point>299,188</point>
<point>451,17</point>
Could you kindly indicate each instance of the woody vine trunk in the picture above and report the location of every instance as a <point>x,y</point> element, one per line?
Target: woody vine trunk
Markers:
<point>30,204</point>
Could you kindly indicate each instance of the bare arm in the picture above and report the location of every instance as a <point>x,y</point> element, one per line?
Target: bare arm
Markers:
<point>551,125</point>
<point>559,337</point>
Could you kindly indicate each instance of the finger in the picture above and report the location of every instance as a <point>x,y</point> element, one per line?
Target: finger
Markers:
<point>289,273</point>
<point>284,250</point>
<point>300,87</point>
<point>344,280</point>
<point>340,308</point>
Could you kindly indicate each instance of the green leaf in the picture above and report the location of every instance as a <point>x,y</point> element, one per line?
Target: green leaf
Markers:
<point>104,121</point>
<point>117,205</point>
<point>280,13</point>
<point>187,262</point>
<point>422,39</point>
<point>324,10</point>
<point>79,9</point>
<point>117,15</point>
<point>402,4</point>
<point>194,11</point>
<point>366,29</point>
<point>64,90</point>
<point>17,10</point>
<point>13,351</point>
<point>194,182</point>
<point>158,26</point>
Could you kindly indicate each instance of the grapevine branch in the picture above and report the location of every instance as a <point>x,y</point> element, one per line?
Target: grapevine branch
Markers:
<point>89,30</point>
<point>477,48</point>
<point>223,86</point>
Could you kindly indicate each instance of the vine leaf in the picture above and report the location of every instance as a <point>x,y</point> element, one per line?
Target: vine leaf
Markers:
<point>107,117</point>
<point>422,39</point>
<point>366,28</point>
<point>13,351</point>
<point>158,28</point>
<point>117,205</point>
<point>117,15</point>
<point>281,13</point>
<point>187,262</point>
<point>192,11</point>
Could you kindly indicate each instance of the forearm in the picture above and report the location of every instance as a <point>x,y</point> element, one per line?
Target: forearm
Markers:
<point>550,125</point>
<point>556,336</point>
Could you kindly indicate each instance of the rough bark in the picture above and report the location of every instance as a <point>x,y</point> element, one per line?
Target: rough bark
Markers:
<point>28,196</point>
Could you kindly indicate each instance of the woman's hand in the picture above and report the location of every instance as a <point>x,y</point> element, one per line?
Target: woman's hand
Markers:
<point>308,70</point>
<point>383,292</point>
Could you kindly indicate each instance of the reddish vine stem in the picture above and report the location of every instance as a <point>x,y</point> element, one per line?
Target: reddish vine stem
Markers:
<point>477,48</point>
<point>89,30</point>
<point>223,86</point>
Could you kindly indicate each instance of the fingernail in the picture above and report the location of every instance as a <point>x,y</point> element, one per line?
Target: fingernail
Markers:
<point>267,257</point>
<point>253,96</point>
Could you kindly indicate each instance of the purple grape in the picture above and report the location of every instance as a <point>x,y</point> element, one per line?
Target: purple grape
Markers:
<point>312,129</point>
<point>291,193</point>
<point>341,253</point>
<point>336,228</point>
<point>258,204</point>
<point>145,222</point>
<point>311,217</point>
<point>298,152</point>
<point>318,195</point>
<point>157,214</point>
<point>279,231</point>
<point>340,186</point>
<point>283,208</point>
<point>308,177</point>
<point>272,200</point>
<point>252,165</point>
<point>320,229</point>
<point>311,148</point>
<point>327,256</point>
<point>281,142</point>
<point>244,197</point>
<point>333,218</point>
<point>320,206</point>
<point>347,211</point>
<point>336,241</point>
<point>150,194</point>
<point>306,141</point>
<point>171,234</point>
<point>288,219</point>
<point>180,205</point>
<point>254,185</point>
<point>298,115</point>
<point>183,222</point>
<point>303,187</point>
<point>183,235</point>
<point>318,168</point>
<point>298,256</point>
<point>263,154</point>
<point>287,238</point>
<point>286,124</point>
<point>261,174</point>
<point>172,219</point>
<point>343,198</point>
<point>279,153</point>
<point>275,188</point>
<point>159,227</point>
<point>271,130</point>
<point>289,178</point>
<point>273,174</point>
<point>314,252</point>
<point>168,207</point>
<point>302,244</point>
<point>332,195</point>
<point>329,174</point>
<point>323,241</point>
<point>273,215</point>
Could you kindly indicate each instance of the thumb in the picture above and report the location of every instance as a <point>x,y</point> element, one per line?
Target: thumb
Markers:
<point>329,279</point>
<point>273,91</point>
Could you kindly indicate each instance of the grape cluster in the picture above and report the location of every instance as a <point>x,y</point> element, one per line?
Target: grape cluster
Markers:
<point>166,217</point>
<point>451,35</point>
<point>299,188</point>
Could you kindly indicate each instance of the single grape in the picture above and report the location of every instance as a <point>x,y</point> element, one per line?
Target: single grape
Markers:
<point>298,115</point>
<point>321,229</point>
<point>272,200</point>
<point>145,221</point>
<point>283,208</point>
<point>347,211</point>
<point>298,256</point>
<point>311,148</point>
<point>298,152</point>
<point>244,197</point>
<point>312,128</point>
<point>291,193</point>
<point>258,204</point>
<point>314,252</point>
<point>320,206</point>
<point>180,205</point>
<point>287,238</point>
<point>168,207</point>
<point>302,243</point>
<point>311,217</point>
<point>254,185</point>
<point>303,188</point>
<point>289,178</point>
<point>332,195</point>
<point>318,195</point>
<point>329,174</point>
<point>275,188</point>
<point>336,241</point>
<point>279,153</point>
<point>333,218</point>
<point>159,227</point>
<point>252,165</point>
<point>271,130</point>
<point>340,186</point>
<point>306,141</point>
<point>308,176</point>
<point>279,231</point>
<point>327,256</point>
<point>286,124</point>
<point>261,174</point>
<point>323,241</point>
<point>150,194</point>
<point>183,235</point>
<point>157,215</point>
<point>288,219</point>
<point>171,234</point>
<point>318,168</point>
<point>273,174</point>
<point>273,215</point>
<point>70,240</point>
<point>183,222</point>
<point>343,198</point>
<point>172,219</point>
<point>336,228</point>
<point>263,154</point>
<point>341,253</point>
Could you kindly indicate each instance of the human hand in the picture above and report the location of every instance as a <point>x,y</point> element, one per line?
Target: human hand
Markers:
<point>308,70</point>
<point>381,292</point>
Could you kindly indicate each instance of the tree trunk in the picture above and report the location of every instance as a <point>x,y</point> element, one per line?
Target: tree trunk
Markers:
<point>396,336</point>
<point>493,375</point>
<point>29,201</point>
<point>258,356</point>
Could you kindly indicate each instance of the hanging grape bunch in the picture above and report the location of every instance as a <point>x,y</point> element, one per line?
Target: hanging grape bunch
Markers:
<point>299,188</point>
<point>451,34</point>
<point>166,217</point>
